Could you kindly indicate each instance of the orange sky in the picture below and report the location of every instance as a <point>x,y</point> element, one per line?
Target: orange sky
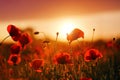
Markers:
<point>32,9</point>
<point>47,15</point>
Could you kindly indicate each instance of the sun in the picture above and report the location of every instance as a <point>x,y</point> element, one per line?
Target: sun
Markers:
<point>67,27</point>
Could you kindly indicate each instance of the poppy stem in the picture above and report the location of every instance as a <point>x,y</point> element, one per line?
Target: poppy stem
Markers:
<point>55,45</point>
<point>4,40</point>
<point>93,35</point>
<point>57,36</point>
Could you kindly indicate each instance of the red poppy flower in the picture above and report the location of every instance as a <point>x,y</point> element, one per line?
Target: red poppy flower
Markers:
<point>62,58</point>
<point>75,34</point>
<point>25,39</point>
<point>92,54</point>
<point>110,44</point>
<point>15,49</point>
<point>39,52</point>
<point>14,32</point>
<point>36,64</point>
<point>14,59</point>
<point>86,79</point>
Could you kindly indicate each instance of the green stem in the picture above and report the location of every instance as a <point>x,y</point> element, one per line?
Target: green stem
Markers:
<point>4,40</point>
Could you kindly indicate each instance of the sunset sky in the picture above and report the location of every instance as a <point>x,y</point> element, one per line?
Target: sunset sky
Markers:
<point>51,16</point>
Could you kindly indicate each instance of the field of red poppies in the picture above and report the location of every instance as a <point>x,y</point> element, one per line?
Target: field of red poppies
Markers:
<point>29,58</point>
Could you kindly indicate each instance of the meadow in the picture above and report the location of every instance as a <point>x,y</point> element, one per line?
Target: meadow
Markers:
<point>28,58</point>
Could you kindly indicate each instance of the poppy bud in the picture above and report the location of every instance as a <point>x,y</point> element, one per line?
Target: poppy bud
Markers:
<point>93,29</point>
<point>113,39</point>
<point>36,33</point>
<point>57,33</point>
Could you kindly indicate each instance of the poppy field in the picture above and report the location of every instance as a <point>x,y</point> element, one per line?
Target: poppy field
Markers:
<point>28,58</point>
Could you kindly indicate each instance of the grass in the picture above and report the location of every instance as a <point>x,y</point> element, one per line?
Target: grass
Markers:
<point>106,68</point>
<point>57,60</point>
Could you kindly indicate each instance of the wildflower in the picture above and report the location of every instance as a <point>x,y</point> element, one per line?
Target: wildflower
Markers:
<point>46,41</point>
<point>93,29</point>
<point>25,39</point>
<point>113,39</point>
<point>93,34</point>
<point>14,59</point>
<point>14,32</point>
<point>110,44</point>
<point>39,52</point>
<point>92,54</point>
<point>75,34</point>
<point>36,64</point>
<point>86,79</point>
<point>62,58</point>
<point>57,33</point>
<point>36,33</point>
<point>15,49</point>
<point>117,44</point>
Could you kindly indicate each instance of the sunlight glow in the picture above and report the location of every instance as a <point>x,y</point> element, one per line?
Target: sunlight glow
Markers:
<point>67,27</point>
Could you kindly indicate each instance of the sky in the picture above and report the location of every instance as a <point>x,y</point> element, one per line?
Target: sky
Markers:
<point>51,16</point>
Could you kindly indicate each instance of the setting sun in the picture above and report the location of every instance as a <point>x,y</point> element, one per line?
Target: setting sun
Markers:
<point>67,27</point>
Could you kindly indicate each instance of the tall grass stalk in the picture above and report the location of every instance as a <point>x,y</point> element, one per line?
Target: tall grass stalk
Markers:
<point>93,35</point>
<point>4,40</point>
